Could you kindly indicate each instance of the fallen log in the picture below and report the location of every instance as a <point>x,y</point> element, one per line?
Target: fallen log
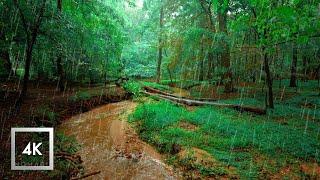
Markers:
<point>204,99</point>
<point>155,97</point>
<point>153,90</point>
<point>191,102</point>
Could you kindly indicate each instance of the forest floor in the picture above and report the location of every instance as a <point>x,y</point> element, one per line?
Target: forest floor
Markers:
<point>117,137</point>
<point>45,106</point>
<point>214,142</point>
<point>109,145</point>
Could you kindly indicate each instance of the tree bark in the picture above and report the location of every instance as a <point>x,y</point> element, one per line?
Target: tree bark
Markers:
<point>160,46</point>
<point>268,80</point>
<point>293,78</point>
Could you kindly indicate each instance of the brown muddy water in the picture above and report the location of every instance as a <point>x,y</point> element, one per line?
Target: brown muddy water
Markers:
<point>110,145</point>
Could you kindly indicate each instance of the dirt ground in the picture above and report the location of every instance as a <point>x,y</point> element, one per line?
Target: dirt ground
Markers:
<point>39,96</point>
<point>111,146</point>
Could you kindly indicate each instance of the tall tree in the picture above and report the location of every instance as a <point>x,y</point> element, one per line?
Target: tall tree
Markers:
<point>222,10</point>
<point>5,41</point>
<point>31,31</point>
<point>160,48</point>
<point>201,57</point>
<point>207,9</point>
<point>268,78</point>
<point>293,78</point>
<point>262,35</point>
<point>61,80</point>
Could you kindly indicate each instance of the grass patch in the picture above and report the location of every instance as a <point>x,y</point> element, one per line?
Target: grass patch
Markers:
<point>234,139</point>
<point>63,167</point>
<point>45,113</point>
<point>81,96</point>
<point>133,87</point>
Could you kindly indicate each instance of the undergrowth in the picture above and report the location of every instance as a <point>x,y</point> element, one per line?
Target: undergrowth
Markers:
<point>81,96</point>
<point>157,86</point>
<point>285,136</point>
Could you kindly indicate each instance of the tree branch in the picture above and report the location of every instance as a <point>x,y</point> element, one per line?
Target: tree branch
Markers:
<point>37,23</point>
<point>23,19</point>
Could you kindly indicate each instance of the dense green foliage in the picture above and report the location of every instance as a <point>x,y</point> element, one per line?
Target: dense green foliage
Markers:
<point>89,37</point>
<point>101,40</point>
<point>262,53</point>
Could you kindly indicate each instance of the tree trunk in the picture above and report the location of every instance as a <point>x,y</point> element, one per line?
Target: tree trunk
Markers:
<point>4,55</point>
<point>228,84</point>
<point>170,75</point>
<point>293,78</point>
<point>210,66</point>
<point>206,7</point>
<point>201,70</point>
<point>225,56</point>
<point>61,80</point>
<point>201,63</point>
<point>254,72</point>
<point>318,75</point>
<point>268,80</point>
<point>282,62</point>
<point>160,46</point>
<point>305,67</point>
<point>24,89</point>
<point>31,40</point>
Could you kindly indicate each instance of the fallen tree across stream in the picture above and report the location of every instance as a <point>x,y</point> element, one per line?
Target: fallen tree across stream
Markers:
<point>192,102</point>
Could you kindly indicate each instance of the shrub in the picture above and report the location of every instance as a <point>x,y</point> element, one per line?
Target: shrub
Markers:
<point>132,87</point>
<point>81,96</point>
<point>44,112</point>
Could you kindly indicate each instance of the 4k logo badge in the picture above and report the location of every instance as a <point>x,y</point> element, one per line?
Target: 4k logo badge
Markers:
<point>31,149</point>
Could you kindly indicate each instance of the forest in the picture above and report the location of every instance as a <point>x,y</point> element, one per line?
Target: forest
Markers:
<point>162,89</point>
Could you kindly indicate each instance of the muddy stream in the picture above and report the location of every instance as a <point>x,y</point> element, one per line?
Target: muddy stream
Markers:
<point>110,145</point>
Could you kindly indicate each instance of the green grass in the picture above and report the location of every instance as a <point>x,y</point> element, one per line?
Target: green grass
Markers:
<point>133,87</point>
<point>81,96</point>
<point>44,112</point>
<point>284,136</point>
<point>310,85</point>
<point>69,145</point>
